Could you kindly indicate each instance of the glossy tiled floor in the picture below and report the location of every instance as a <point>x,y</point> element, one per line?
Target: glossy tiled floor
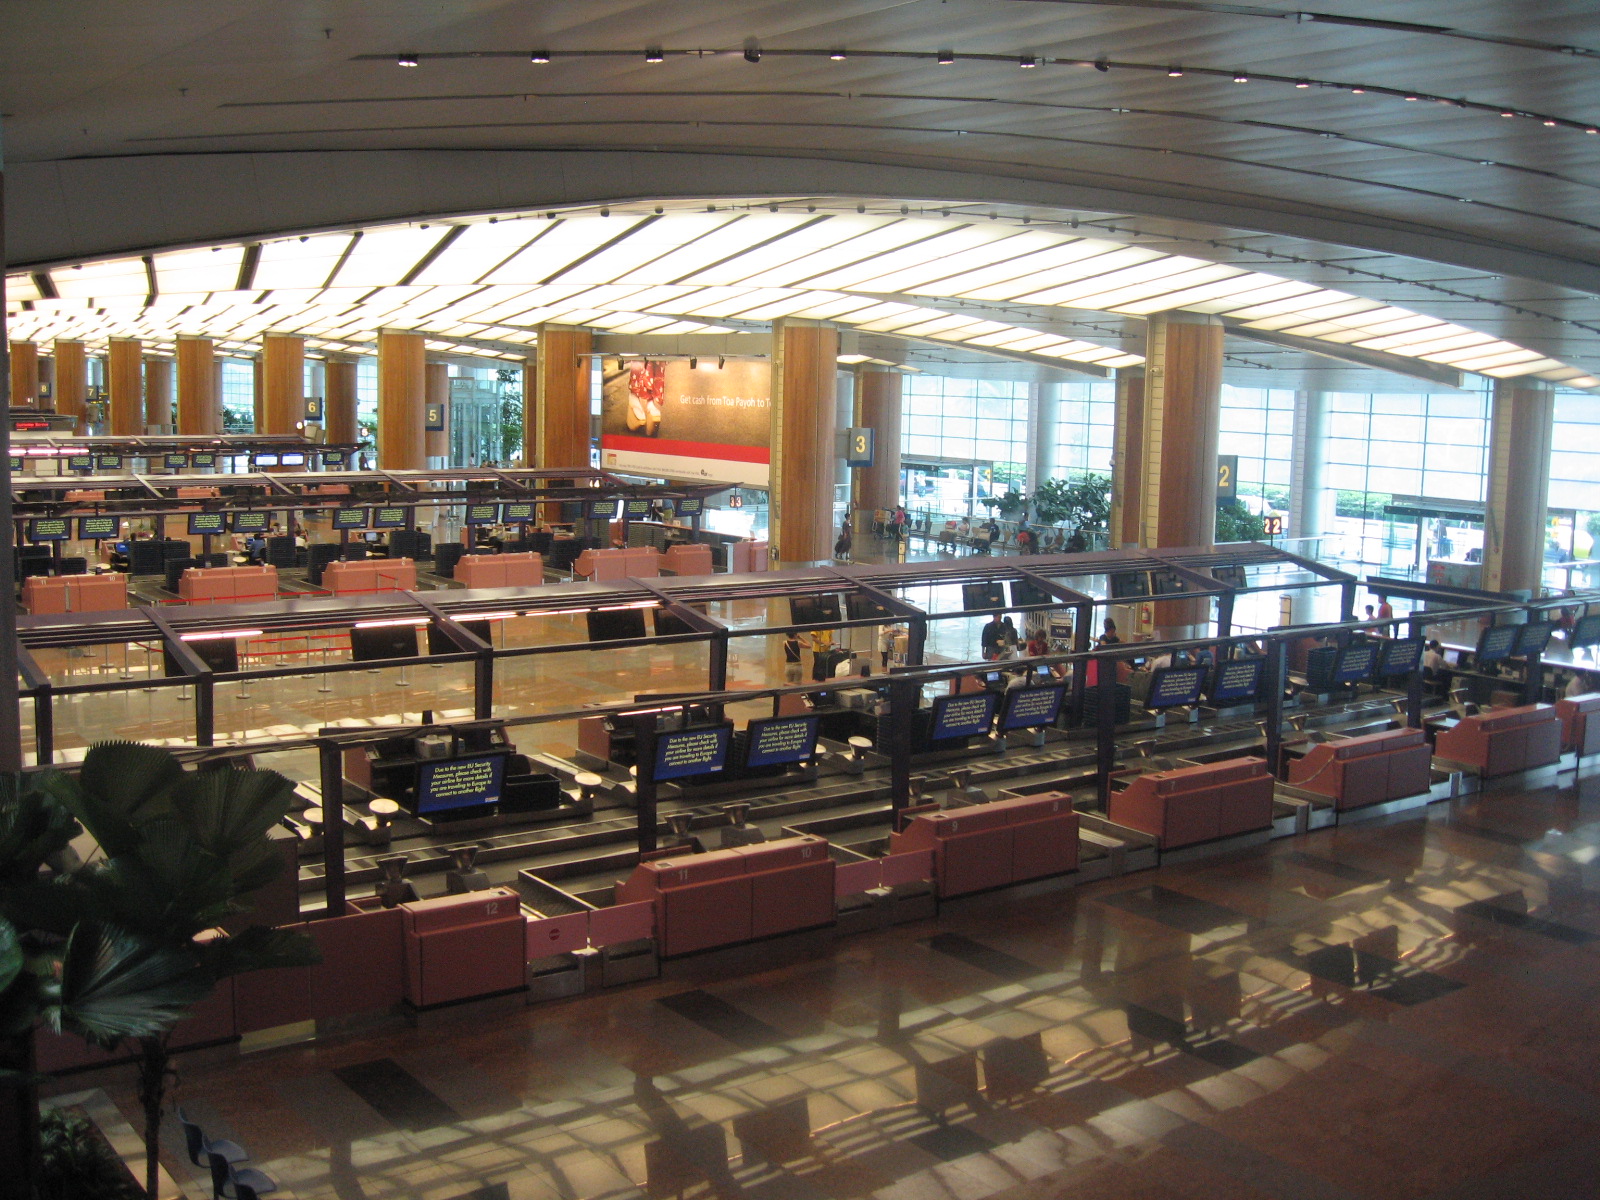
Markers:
<point>1387,1010</point>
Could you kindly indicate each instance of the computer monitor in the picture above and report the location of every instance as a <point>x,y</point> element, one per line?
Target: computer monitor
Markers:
<point>482,514</point>
<point>98,529</point>
<point>292,458</point>
<point>1033,707</point>
<point>702,750</point>
<point>205,523</point>
<point>49,529</point>
<point>1171,687</point>
<point>963,716</point>
<point>1533,637</point>
<point>377,642</point>
<point>175,462</point>
<point>454,783</point>
<point>108,462</point>
<point>1166,583</point>
<point>1585,631</point>
<point>264,460</point>
<point>616,624</point>
<point>80,462</point>
<point>689,506</point>
<point>1355,662</point>
<point>604,510</point>
<point>982,597</point>
<point>1398,657</point>
<point>1233,576</point>
<point>775,741</point>
<point>251,522</point>
<point>666,623</point>
<point>1125,584</point>
<point>334,458</point>
<point>388,518</point>
<point>221,654</point>
<point>1496,642</point>
<point>203,458</point>
<point>517,513</point>
<point>636,507</point>
<point>865,608</point>
<point>1025,592</point>
<point>439,642</point>
<point>350,518</point>
<point>1237,681</point>
<point>814,610</point>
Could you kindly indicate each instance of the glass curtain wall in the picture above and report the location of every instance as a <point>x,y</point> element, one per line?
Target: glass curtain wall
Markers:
<point>1086,425</point>
<point>962,440</point>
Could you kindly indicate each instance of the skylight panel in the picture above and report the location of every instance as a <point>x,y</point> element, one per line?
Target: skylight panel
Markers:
<point>570,240</point>
<point>293,263</point>
<point>121,277</point>
<point>799,243</point>
<point>479,249</point>
<point>1035,288</point>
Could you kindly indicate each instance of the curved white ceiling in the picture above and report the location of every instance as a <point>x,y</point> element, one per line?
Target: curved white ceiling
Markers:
<point>484,285</point>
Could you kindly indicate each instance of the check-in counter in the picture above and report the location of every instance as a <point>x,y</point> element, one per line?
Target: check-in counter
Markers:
<point>365,576</point>
<point>745,557</point>
<point>1354,772</point>
<point>74,593</point>
<point>992,845</point>
<point>686,559</point>
<point>462,947</point>
<point>724,897</point>
<point>1580,723</point>
<point>228,585</point>
<point>1503,740</point>
<point>500,570</point>
<point>1188,805</point>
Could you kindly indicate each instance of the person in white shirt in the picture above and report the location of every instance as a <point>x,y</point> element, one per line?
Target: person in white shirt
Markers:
<point>1579,685</point>
<point>1433,657</point>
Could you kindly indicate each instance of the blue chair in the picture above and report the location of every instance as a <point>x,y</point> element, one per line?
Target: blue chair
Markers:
<point>201,1149</point>
<point>229,1182</point>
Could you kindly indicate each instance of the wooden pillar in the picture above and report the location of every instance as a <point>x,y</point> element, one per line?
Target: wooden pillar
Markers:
<point>530,411</point>
<point>402,392</point>
<point>24,375</point>
<point>1127,460</point>
<point>339,404</point>
<point>72,379</point>
<point>1182,413</point>
<point>199,399</point>
<point>561,405</point>
<point>258,395</point>
<point>125,383</point>
<point>47,383</point>
<point>800,495</point>
<point>158,393</point>
<point>878,408</point>
<point>281,383</point>
<point>1521,425</point>
<point>438,440</point>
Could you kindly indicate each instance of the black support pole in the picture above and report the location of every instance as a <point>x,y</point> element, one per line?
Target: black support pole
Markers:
<point>1414,681</point>
<point>1105,729</point>
<point>1276,680</point>
<point>331,763</point>
<point>644,741</point>
<point>904,697</point>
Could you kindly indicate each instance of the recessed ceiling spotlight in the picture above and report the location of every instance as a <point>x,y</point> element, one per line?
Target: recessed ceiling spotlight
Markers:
<point>1358,91</point>
<point>539,56</point>
<point>946,57</point>
<point>1240,77</point>
<point>838,55</point>
<point>406,60</point>
<point>1026,61</point>
<point>1304,83</point>
<point>1410,97</point>
<point>1174,72</point>
<point>1548,121</point>
<point>654,55</point>
<point>1508,113</point>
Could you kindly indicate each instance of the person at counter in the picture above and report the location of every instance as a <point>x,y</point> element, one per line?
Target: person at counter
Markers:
<point>793,644</point>
<point>1038,644</point>
<point>992,638</point>
<point>1581,684</point>
<point>1109,637</point>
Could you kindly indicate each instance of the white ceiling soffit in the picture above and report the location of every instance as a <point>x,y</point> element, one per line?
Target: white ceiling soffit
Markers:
<point>494,280</point>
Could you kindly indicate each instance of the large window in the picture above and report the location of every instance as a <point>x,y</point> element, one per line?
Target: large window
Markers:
<point>1086,426</point>
<point>238,395</point>
<point>961,440</point>
<point>1257,424</point>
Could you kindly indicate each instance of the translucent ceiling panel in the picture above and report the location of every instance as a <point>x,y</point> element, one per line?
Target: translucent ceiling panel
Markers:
<point>123,277</point>
<point>656,252</point>
<point>386,256</point>
<point>921,261</point>
<point>480,248</point>
<point>20,288</point>
<point>193,273</point>
<point>296,263</point>
<point>567,242</point>
<point>772,253</point>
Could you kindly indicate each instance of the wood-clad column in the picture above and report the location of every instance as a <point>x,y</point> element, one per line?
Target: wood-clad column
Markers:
<point>72,379</point>
<point>24,375</point>
<point>1182,413</point>
<point>438,440</point>
<point>530,411</point>
<point>800,495</point>
<point>258,395</point>
<point>561,404</point>
<point>402,392</point>
<point>199,401</point>
<point>339,404</point>
<point>158,393</point>
<point>1127,460</point>
<point>878,408</point>
<point>47,383</point>
<point>1521,424</point>
<point>125,384</point>
<point>282,383</point>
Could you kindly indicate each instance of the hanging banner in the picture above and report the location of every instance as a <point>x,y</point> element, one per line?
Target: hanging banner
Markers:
<point>678,421</point>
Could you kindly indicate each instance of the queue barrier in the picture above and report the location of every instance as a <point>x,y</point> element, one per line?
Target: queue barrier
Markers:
<point>227,585</point>
<point>992,845</point>
<point>74,593</point>
<point>500,570</point>
<point>1354,772</point>
<point>1188,805</point>
<point>370,575</point>
<point>1580,727</point>
<point>1503,740</point>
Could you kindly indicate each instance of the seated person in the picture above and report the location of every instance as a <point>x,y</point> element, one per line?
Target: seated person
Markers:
<point>255,549</point>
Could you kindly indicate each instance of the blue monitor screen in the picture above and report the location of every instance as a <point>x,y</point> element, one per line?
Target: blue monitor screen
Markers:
<point>779,740</point>
<point>689,508</point>
<point>295,458</point>
<point>963,716</point>
<point>1356,663</point>
<point>1399,657</point>
<point>97,529</point>
<point>388,518</point>
<point>203,459</point>
<point>108,462</point>
<point>1533,637</point>
<point>1174,686</point>
<point>1237,681</point>
<point>16,462</point>
<point>482,514</point>
<point>1496,642</point>
<point>250,522</point>
<point>80,462</point>
<point>638,508</point>
<point>683,752</point>
<point>203,523</point>
<point>47,529</point>
<point>518,512</point>
<point>264,460</point>
<point>176,462</point>
<point>603,510</point>
<point>459,782</point>
<point>349,518</point>
<point>1586,632</point>
<point>1033,708</point>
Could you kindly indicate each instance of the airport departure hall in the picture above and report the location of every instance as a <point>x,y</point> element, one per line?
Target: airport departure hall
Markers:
<point>913,599</point>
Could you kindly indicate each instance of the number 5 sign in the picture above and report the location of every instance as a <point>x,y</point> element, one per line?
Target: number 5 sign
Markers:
<point>1227,476</point>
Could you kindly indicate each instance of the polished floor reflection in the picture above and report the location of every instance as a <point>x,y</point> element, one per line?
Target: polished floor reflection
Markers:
<point>1396,1009</point>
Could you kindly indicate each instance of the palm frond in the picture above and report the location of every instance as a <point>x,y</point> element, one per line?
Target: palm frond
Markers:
<point>122,786</point>
<point>115,985</point>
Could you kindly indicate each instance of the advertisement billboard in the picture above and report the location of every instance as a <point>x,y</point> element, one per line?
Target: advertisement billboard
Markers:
<point>687,419</point>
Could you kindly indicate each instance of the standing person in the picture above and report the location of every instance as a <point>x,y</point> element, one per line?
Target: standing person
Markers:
<point>900,523</point>
<point>992,638</point>
<point>1385,609</point>
<point>793,643</point>
<point>841,548</point>
<point>1009,635</point>
<point>1024,540</point>
<point>886,643</point>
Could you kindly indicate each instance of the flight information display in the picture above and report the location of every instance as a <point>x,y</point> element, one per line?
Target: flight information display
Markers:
<point>349,518</point>
<point>963,716</point>
<point>80,462</point>
<point>814,610</point>
<point>1496,642</point>
<point>203,523</point>
<point>482,514</point>
<point>1586,632</point>
<point>1026,591</point>
<point>448,783</point>
<point>518,512</point>
<point>1356,662</point>
<point>176,462</point>
<point>1033,708</point>
<point>689,507</point>
<point>108,462</point>
<point>1533,637</point>
<point>1237,681</point>
<point>981,597</point>
<point>603,510</point>
<point>47,529</point>
<point>1171,687</point>
<point>1399,657</point>
<point>779,740</point>
<point>250,522</point>
<point>388,518</point>
<point>638,508</point>
<point>333,458</point>
<point>204,458</point>
<point>263,460</point>
<point>98,529</point>
<point>684,752</point>
<point>293,458</point>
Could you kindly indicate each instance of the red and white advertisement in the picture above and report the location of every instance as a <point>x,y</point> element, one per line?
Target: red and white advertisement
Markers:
<point>703,422</point>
